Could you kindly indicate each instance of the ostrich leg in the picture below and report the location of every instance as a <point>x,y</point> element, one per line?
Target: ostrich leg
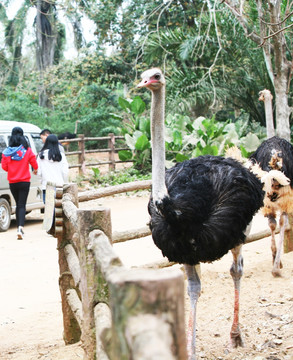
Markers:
<point>277,264</point>
<point>236,272</point>
<point>273,224</point>
<point>194,287</point>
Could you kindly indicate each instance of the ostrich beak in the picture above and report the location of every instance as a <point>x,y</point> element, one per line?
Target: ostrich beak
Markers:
<point>146,83</point>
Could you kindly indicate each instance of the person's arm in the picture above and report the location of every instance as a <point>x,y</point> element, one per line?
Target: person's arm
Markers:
<point>33,160</point>
<point>65,168</point>
<point>4,163</point>
<point>39,171</point>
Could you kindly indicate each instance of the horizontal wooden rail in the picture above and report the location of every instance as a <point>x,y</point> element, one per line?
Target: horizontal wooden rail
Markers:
<point>122,236</point>
<point>103,321</point>
<point>112,190</point>
<point>73,263</point>
<point>75,305</point>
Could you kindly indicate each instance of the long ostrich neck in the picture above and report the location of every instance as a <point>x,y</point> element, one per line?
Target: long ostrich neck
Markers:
<point>267,99</point>
<point>158,143</point>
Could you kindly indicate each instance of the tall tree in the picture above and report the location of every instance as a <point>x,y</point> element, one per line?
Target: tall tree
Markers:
<point>14,34</point>
<point>210,63</point>
<point>268,23</point>
<point>46,38</point>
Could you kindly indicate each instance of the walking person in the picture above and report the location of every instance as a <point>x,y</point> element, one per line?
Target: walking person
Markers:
<point>45,133</point>
<point>16,160</point>
<point>52,164</point>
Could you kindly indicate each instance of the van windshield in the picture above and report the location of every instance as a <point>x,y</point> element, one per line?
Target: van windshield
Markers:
<point>2,145</point>
<point>37,141</point>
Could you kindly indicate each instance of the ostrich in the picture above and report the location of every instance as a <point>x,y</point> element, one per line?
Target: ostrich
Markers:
<point>274,164</point>
<point>275,158</point>
<point>199,209</point>
<point>68,135</point>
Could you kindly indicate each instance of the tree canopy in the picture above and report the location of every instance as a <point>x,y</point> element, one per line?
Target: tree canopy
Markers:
<point>216,55</point>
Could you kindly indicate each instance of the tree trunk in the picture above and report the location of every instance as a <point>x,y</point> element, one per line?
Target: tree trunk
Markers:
<point>270,35</point>
<point>282,107</point>
<point>46,42</point>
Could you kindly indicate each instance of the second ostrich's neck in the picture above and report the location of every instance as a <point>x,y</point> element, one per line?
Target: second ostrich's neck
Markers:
<point>159,189</point>
<point>269,113</point>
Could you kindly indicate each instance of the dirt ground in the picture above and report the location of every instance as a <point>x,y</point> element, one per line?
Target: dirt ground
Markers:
<point>30,311</point>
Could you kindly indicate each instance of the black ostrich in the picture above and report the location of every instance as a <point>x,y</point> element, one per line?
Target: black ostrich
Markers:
<point>66,135</point>
<point>199,209</point>
<point>275,157</point>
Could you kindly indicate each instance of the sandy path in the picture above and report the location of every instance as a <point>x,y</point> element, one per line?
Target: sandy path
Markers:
<point>30,311</point>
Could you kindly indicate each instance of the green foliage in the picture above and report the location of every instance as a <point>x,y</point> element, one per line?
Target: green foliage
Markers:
<point>117,177</point>
<point>21,107</point>
<point>207,137</point>
<point>137,134</point>
<point>185,138</point>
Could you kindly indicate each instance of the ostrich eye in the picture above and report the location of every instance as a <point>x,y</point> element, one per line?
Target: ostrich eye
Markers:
<point>157,77</point>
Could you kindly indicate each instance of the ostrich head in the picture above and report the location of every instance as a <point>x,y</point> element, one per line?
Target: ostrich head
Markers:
<point>153,79</point>
<point>276,162</point>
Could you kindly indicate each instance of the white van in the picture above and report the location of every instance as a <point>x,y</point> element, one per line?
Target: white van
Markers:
<point>34,200</point>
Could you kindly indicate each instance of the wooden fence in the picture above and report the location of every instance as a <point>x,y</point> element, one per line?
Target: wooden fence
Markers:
<point>82,151</point>
<point>117,312</point>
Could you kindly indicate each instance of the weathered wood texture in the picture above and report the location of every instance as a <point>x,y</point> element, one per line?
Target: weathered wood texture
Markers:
<point>135,292</point>
<point>288,238</point>
<point>75,305</point>
<point>73,263</point>
<point>103,320</point>
<point>93,288</point>
<point>121,236</point>
<point>72,330</point>
<point>112,190</point>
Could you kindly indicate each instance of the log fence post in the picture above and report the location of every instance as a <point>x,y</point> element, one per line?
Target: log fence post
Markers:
<point>153,296</point>
<point>93,287</point>
<point>111,145</point>
<point>288,238</point>
<point>81,155</point>
<point>72,331</point>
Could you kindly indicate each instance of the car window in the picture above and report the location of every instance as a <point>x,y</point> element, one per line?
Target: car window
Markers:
<point>37,141</point>
<point>2,145</point>
<point>26,138</point>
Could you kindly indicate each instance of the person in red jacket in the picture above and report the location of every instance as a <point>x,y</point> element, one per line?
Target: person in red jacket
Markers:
<point>16,159</point>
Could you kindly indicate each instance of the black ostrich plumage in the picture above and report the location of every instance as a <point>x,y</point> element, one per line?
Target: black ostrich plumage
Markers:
<point>211,201</point>
<point>66,135</point>
<point>263,155</point>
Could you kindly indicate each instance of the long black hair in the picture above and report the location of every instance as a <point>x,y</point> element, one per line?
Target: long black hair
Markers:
<point>17,138</point>
<point>52,145</point>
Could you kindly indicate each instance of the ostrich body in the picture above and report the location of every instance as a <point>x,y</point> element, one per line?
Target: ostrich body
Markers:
<point>275,158</point>
<point>199,209</point>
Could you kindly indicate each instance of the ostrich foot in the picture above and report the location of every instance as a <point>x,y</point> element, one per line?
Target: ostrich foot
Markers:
<point>276,272</point>
<point>236,339</point>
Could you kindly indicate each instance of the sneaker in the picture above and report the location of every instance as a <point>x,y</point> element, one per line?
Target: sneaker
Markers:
<point>20,233</point>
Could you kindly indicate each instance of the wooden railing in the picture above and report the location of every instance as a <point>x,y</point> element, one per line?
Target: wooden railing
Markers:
<point>82,151</point>
<point>117,312</point>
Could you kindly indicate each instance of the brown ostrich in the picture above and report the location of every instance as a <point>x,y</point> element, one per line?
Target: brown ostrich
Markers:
<point>274,165</point>
<point>275,158</point>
